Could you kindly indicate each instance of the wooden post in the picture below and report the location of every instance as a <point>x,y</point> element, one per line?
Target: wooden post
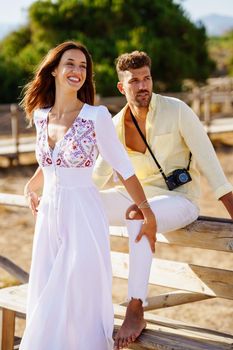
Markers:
<point>15,128</point>
<point>227,106</point>
<point>207,99</point>
<point>8,329</point>
<point>1,328</point>
<point>196,102</point>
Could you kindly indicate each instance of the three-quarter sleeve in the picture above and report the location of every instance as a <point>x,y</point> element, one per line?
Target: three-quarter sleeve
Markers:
<point>102,173</point>
<point>110,147</point>
<point>202,149</point>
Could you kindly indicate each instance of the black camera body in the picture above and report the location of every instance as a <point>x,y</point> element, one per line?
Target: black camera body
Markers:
<point>177,178</point>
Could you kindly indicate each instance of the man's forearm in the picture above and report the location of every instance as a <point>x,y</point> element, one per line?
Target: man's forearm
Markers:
<point>227,201</point>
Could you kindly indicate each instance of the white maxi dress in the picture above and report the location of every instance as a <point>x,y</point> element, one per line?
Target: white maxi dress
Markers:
<point>70,297</point>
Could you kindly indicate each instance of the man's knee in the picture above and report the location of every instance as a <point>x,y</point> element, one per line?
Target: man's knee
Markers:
<point>133,213</point>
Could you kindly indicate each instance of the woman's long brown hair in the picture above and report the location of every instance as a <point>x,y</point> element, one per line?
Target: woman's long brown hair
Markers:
<point>40,92</point>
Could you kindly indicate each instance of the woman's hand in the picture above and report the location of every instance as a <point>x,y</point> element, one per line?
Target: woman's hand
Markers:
<point>33,201</point>
<point>34,184</point>
<point>149,228</point>
<point>136,192</point>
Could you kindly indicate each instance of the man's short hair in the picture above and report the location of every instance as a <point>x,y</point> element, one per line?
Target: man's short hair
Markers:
<point>133,60</point>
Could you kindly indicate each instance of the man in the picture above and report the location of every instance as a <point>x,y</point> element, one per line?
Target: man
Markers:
<point>177,141</point>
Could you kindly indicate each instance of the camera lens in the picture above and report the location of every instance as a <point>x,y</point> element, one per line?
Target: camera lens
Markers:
<point>183,177</point>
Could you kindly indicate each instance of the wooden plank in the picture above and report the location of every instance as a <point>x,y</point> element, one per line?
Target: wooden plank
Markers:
<point>163,333</point>
<point>23,148</point>
<point>8,330</point>
<point>199,279</point>
<point>152,339</point>
<point>13,269</point>
<point>13,199</point>
<point>12,147</point>
<point>14,298</point>
<point>223,138</point>
<point>174,298</point>
<point>205,233</point>
<point>1,327</point>
<point>220,125</point>
<point>9,141</point>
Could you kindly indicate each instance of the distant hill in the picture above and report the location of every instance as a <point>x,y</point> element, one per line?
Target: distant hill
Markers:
<point>217,25</point>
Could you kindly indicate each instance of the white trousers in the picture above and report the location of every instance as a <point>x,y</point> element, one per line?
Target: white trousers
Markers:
<point>171,212</point>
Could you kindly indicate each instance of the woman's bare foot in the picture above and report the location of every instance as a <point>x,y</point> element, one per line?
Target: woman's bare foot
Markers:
<point>132,326</point>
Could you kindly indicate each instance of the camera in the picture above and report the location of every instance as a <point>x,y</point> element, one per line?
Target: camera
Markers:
<point>177,178</point>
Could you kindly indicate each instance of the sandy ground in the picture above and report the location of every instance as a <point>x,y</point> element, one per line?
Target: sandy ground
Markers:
<point>16,225</point>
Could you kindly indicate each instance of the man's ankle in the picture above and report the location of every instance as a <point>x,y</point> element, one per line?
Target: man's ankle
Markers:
<point>135,305</point>
<point>136,301</point>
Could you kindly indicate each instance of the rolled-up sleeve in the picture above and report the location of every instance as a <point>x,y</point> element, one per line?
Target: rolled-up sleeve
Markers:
<point>110,147</point>
<point>202,149</point>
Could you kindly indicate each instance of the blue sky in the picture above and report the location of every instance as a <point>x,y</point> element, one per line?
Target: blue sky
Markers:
<point>14,11</point>
<point>200,8</point>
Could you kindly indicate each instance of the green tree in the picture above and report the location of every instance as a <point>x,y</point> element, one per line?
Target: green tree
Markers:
<point>108,28</point>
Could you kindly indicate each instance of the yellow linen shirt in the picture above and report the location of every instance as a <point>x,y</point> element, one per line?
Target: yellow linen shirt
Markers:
<point>172,131</point>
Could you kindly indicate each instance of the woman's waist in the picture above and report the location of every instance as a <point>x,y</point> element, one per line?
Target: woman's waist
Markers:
<point>67,177</point>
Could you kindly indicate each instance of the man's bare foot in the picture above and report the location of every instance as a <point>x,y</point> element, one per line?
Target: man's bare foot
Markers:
<point>132,326</point>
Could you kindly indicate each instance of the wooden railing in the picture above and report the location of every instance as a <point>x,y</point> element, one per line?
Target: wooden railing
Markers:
<point>190,282</point>
<point>200,100</point>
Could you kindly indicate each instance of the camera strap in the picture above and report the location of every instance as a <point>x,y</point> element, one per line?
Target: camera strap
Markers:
<point>152,154</point>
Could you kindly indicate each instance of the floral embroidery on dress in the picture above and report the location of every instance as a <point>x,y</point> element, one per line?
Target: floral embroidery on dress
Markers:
<point>77,148</point>
<point>43,153</point>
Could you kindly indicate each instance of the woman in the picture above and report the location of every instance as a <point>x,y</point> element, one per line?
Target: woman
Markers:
<point>69,298</point>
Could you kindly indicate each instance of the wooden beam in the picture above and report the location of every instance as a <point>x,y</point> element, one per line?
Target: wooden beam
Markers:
<point>22,148</point>
<point>8,329</point>
<point>161,333</point>
<point>174,298</point>
<point>13,199</point>
<point>14,298</point>
<point>13,269</point>
<point>172,274</point>
<point>166,334</point>
<point>225,138</point>
<point>205,233</point>
<point>1,327</point>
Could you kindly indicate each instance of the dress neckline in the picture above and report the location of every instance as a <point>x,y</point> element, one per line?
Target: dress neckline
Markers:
<point>67,131</point>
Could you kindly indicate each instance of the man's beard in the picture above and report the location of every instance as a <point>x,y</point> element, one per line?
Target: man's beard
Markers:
<point>143,98</point>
